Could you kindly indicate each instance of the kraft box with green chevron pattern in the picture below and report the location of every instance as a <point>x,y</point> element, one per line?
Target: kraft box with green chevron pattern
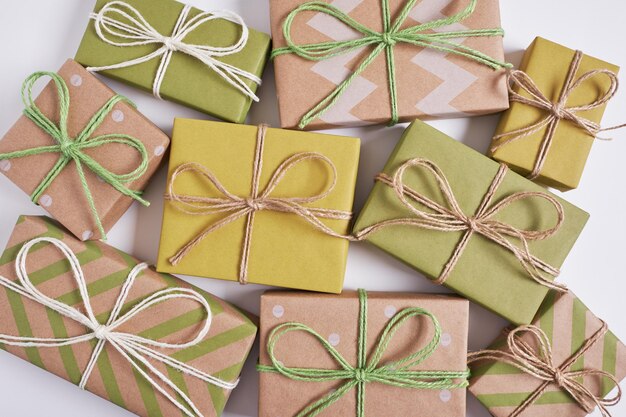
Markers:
<point>135,369</point>
<point>574,335</point>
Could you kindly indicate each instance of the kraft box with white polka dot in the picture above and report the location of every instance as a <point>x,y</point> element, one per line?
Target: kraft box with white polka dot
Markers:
<point>336,319</point>
<point>65,197</point>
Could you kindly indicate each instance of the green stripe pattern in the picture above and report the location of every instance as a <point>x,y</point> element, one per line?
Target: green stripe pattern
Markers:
<point>91,253</point>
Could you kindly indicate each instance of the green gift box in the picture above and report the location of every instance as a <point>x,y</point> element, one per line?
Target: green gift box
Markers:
<point>179,53</point>
<point>464,221</point>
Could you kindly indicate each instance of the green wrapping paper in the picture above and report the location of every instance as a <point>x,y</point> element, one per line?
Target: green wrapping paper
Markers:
<point>486,273</point>
<point>221,353</point>
<point>187,80</point>
<point>568,324</point>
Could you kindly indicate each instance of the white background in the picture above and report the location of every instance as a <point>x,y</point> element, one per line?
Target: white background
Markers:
<point>41,34</point>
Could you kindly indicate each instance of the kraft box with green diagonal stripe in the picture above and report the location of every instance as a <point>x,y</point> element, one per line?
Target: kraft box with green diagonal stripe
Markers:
<point>569,327</point>
<point>220,353</point>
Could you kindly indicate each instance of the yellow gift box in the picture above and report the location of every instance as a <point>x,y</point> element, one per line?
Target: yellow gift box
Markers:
<point>287,233</point>
<point>547,64</point>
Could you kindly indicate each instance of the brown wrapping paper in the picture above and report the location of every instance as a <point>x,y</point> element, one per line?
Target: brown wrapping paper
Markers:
<point>568,323</point>
<point>429,83</point>
<point>65,198</point>
<point>221,353</point>
<point>336,317</point>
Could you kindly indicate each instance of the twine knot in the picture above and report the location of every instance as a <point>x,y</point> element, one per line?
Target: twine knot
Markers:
<point>101,332</point>
<point>558,111</point>
<point>472,223</point>
<point>361,375</point>
<point>254,204</point>
<point>388,39</point>
<point>170,43</point>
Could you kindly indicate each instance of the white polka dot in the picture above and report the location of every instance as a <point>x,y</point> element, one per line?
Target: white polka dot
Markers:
<point>76,80</point>
<point>45,200</point>
<point>278,311</point>
<point>117,116</point>
<point>87,234</point>
<point>390,311</point>
<point>158,151</point>
<point>334,339</point>
<point>5,165</point>
<point>446,339</point>
<point>445,395</point>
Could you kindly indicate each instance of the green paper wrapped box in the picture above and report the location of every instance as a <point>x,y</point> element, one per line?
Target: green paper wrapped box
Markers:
<point>132,336</point>
<point>466,222</point>
<point>209,61</point>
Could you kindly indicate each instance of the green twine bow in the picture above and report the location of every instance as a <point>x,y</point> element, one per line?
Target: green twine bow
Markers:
<point>72,149</point>
<point>395,373</point>
<point>386,40</point>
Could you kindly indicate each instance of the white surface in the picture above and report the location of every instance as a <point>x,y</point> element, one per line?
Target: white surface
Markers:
<point>41,34</point>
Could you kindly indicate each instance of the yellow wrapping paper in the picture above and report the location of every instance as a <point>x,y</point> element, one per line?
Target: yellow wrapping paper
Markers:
<point>286,250</point>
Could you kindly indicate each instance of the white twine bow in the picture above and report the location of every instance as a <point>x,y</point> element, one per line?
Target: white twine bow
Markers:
<point>122,21</point>
<point>135,349</point>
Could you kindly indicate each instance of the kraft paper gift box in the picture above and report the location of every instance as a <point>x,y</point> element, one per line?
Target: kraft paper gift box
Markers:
<point>477,267</point>
<point>219,353</point>
<point>66,198</point>
<point>429,83</point>
<point>335,319</point>
<point>570,327</point>
<point>186,80</point>
<point>547,64</point>
<point>207,237</point>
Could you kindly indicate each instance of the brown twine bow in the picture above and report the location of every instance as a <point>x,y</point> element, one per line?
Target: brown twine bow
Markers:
<point>556,111</point>
<point>451,218</point>
<point>257,201</point>
<point>539,363</point>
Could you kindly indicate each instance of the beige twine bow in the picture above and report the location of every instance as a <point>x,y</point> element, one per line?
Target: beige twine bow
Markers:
<point>257,201</point>
<point>539,363</point>
<point>556,111</point>
<point>451,218</point>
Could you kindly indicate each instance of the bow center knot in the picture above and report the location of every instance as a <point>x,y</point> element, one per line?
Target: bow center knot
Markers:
<point>558,111</point>
<point>361,375</point>
<point>472,223</point>
<point>388,39</point>
<point>170,43</point>
<point>254,204</point>
<point>68,148</point>
<point>559,378</point>
<point>101,332</point>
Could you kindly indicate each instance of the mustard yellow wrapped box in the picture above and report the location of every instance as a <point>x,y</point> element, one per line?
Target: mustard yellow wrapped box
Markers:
<point>547,64</point>
<point>211,213</point>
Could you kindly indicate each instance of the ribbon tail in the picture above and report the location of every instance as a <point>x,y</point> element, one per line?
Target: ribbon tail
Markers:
<point>174,260</point>
<point>320,405</point>
<point>90,200</point>
<point>162,50</point>
<point>514,135</point>
<point>60,164</point>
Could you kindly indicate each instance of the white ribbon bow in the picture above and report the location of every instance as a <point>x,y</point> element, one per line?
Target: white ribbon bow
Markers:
<point>136,31</point>
<point>135,349</point>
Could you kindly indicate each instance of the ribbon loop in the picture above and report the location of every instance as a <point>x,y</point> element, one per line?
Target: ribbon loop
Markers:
<point>418,35</point>
<point>137,350</point>
<point>448,216</point>
<point>536,359</point>
<point>237,207</point>
<point>120,24</point>
<point>396,374</point>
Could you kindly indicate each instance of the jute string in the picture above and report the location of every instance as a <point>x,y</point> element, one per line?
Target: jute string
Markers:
<point>556,112</point>
<point>73,149</point>
<point>449,217</point>
<point>238,207</point>
<point>421,35</point>
<point>538,362</point>
<point>139,351</point>
<point>368,369</point>
<point>120,24</point>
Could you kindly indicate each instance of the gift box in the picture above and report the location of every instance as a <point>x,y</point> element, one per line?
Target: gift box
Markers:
<point>466,222</point>
<point>382,68</point>
<point>553,152</point>
<point>354,347</point>
<point>118,355</point>
<point>209,61</point>
<point>579,342</point>
<point>78,127</point>
<point>258,205</point>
